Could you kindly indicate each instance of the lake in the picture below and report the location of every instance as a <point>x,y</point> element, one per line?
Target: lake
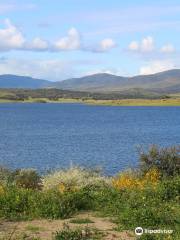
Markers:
<point>48,136</point>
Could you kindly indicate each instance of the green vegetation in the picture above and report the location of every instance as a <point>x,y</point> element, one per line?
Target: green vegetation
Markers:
<point>81,221</point>
<point>34,229</point>
<point>137,102</point>
<point>148,196</point>
<point>55,94</point>
<point>165,160</point>
<point>109,99</point>
<point>78,234</point>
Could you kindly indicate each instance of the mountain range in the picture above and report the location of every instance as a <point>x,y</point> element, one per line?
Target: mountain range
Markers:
<point>163,82</point>
<point>13,81</point>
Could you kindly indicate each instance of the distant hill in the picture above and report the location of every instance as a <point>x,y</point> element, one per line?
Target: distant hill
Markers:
<point>168,81</point>
<point>159,83</point>
<point>13,81</point>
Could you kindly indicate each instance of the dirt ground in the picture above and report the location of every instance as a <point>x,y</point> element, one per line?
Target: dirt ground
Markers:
<point>44,229</point>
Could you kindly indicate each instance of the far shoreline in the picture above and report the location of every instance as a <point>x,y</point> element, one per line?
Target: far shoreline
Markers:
<point>169,102</point>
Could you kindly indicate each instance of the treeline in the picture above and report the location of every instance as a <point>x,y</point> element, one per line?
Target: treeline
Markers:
<point>55,94</point>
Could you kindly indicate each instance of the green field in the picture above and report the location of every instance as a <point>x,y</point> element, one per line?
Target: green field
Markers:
<point>137,102</point>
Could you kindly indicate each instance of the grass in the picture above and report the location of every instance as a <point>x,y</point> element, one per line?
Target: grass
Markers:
<point>33,229</point>
<point>78,234</point>
<point>46,100</point>
<point>137,102</point>
<point>42,100</point>
<point>81,221</point>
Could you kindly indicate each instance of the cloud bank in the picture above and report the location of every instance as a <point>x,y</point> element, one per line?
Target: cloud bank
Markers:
<point>147,46</point>
<point>11,38</point>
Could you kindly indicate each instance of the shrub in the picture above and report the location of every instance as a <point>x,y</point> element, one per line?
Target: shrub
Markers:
<point>128,180</point>
<point>73,179</point>
<point>132,198</point>
<point>6,176</point>
<point>145,208</point>
<point>28,178</point>
<point>77,234</point>
<point>166,160</point>
<point>18,203</point>
<point>21,203</point>
<point>54,205</point>
<point>169,189</point>
<point>149,207</point>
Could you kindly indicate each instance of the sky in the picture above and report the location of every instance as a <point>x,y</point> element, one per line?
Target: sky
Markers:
<point>61,39</point>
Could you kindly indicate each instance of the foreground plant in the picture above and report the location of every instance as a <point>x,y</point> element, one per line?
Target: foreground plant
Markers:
<point>149,198</point>
<point>77,234</point>
<point>73,179</point>
<point>166,160</point>
<point>128,180</point>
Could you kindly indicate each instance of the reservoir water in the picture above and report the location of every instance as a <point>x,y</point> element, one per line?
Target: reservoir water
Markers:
<point>48,136</point>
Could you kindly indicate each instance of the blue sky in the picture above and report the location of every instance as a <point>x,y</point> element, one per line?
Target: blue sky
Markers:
<point>61,39</point>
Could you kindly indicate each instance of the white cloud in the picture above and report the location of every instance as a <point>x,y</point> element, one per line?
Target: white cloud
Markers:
<point>168,48</point>
<point>103,46</point>
<point>38,44</point>
<point>71,42</point>
<point>134,46</point>
<point>156,66</point>
<point>10,37</point>
<point>107,44</point>
<point>146,45</point>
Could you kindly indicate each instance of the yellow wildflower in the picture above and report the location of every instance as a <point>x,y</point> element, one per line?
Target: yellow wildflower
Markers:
<point>127,181</point>
<point>152,176</point>
<point>62,188</point>
<point>1,190</point>
<point>124,181</point>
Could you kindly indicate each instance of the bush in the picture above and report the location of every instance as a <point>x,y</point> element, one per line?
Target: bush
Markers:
<point>6,176</point>
<point>17,203</point>
<point>166,160</point>
<point>54,205</point>
<point>131,198</point>
<point>21,203</point>
<point>169,189</point>
<point>73,179</point>
<point>149,207</point>
<point>77,234</point>
<point>28,178</point>
<point>130,180</point>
